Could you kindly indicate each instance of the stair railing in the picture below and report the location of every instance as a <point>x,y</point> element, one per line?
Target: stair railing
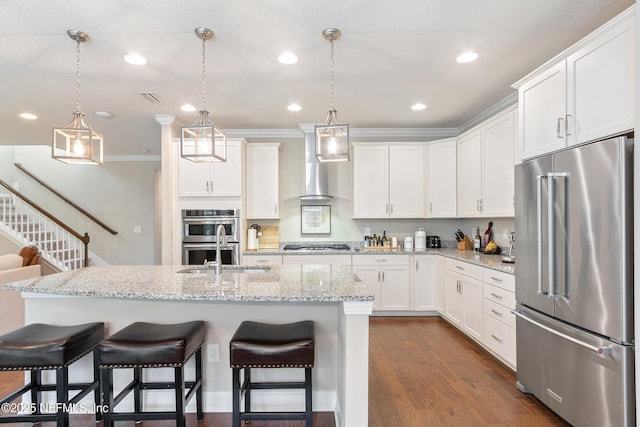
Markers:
<point>30,224</point>
<point>78,208</point>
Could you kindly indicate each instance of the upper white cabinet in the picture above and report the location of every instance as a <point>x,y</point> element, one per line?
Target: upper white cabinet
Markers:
<point>388,181</point>
<point>263,170</point>
<point>485,178</point>
<point>218,179</point>
<point>584,94</point>
<point>440,175</point>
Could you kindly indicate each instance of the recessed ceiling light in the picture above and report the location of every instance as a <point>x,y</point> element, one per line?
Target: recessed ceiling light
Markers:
<point>287,58</point>
<point>467,57</point>
<point>418,106</point>
<point>135,59</point>
<point>294,107</point>
<point>188,108</point>
<point>104,114</point>
<point>28,116</point>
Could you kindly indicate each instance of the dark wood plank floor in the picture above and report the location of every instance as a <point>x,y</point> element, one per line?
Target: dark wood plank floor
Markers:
<point>423,372</point>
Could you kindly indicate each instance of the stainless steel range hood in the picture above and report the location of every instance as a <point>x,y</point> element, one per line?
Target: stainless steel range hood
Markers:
<point>316,173</point>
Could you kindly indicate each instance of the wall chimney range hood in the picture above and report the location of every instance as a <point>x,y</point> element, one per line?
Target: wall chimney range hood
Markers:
<point>316,173</point>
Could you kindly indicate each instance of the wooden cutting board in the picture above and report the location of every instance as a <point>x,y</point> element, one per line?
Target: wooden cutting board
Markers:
<point>270,238</point>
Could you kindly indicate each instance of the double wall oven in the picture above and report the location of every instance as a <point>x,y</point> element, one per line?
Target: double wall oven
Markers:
<point>199,235</point>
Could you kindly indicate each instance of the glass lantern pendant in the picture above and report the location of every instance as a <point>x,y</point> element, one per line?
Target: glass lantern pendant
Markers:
<point>332,138</point>
<point>202,141</point>
<point>76,142</point>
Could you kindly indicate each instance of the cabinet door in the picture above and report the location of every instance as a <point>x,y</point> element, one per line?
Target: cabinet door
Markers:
<point>425,283</point>
<point>542,112</point>
<point>440,176</point>
<point>193,179</point>
<point>453,299</point>
<point>601,80</point>
<point>394,288</point>
<point>227,176</point>
<point>472,303</point>
<point>469,173</point>
<point>440,285</point>
<point>263,181</point>
<point>406,181</point>
<point>370,182</point>
<point>498,140</point>
<point>370,276</point>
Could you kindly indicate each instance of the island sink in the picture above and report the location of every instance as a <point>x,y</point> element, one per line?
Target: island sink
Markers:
<point>211,269</point>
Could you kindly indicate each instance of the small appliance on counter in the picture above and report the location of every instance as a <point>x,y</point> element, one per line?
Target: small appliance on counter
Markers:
<point>420,240</point>
<point>433,242</point>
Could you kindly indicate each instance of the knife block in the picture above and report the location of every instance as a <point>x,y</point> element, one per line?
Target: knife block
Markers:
<point>465,244</point>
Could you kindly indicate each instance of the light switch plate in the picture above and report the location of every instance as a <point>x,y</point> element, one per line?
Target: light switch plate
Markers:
<point>137,229</point>
<point>213,353</point>
<point>505,234</point>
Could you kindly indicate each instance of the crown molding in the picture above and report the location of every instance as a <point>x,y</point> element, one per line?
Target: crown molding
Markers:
<point>490,112</point>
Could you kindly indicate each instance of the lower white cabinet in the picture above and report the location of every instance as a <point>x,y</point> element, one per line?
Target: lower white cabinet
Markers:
<point>440,288</point>
<point>463,283</point>
<point>424,283</point>
<point>388,278</point>
<point>499,322</point>
<point>258,259</point>
<point>317,259</point>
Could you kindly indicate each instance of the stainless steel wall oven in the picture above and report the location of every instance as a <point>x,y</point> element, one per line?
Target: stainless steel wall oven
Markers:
<point>199,235</point>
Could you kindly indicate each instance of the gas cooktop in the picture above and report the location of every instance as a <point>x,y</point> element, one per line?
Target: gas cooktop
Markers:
<point>316,247</point>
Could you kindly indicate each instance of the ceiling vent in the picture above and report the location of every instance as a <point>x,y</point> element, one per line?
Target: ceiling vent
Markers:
<point>152,97</point>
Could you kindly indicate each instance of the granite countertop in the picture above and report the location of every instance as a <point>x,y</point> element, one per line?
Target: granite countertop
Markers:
<point>493,262</point>
<point>282,283</point>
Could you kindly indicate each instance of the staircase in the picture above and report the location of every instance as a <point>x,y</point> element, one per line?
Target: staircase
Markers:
<point>62,247</point>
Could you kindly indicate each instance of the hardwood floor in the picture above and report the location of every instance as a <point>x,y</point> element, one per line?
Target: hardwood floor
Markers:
<point>422,372</point>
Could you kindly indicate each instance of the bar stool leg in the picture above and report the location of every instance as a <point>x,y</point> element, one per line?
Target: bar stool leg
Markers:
<point>308,397</point>
<point>62,395</point>
<point>137,391</point>
<point>36,383</point>
<point>180,403</point>
<point>247,390</point>
<point>200,411</point>
<point>106,382</point>
<point>236,397</point>
<point>97,398</point>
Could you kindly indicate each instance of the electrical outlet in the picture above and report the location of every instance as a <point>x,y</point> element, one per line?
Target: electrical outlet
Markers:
<point>213,353</point>
<point>505,234</point>
<point>137,229</point>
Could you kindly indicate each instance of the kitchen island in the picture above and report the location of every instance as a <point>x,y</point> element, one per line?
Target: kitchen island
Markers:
<point>330,295</point>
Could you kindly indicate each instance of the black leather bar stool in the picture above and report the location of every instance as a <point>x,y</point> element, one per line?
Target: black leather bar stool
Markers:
<point>149,345</point>
<point>39,347</point>
<point>261,345</point>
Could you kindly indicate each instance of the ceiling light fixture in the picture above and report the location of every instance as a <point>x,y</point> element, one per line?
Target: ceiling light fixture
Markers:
<point>294,107</point>
<point>287,58</point>
<point>135,59</point>
<point>188,108</point>
<point>202,141</point>
<point>77,143</point>
<point>332,138</point>
<point>467,57</point>
<point>418,106</point>
<point>28,116</point>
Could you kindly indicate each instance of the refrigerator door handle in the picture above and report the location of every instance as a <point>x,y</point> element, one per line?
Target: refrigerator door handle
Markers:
<point>553,288</point>
<point>597,350</point>
<point>539,179</point>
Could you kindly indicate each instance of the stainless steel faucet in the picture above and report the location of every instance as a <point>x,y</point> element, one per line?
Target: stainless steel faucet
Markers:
<point>221,238</point>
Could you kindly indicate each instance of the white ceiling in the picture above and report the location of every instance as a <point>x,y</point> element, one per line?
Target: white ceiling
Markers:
<point>391,54</point>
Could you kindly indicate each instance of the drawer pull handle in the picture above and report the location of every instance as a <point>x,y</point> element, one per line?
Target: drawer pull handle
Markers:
<point>381,260</point>
<point>496,338</point>
<point>496,296</point>
<point>497,313</point>
<point>459,267</point>
<point>496,279</point>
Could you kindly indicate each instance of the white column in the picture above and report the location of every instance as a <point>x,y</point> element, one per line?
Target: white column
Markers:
<point>167,211</point>
<point>352,407</point>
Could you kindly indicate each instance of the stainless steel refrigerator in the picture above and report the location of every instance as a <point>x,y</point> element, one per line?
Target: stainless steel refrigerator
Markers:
<point>574,282</point>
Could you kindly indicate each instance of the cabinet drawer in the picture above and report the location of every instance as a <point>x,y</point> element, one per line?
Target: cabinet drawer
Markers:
<point>317,259</point>
<point>500,338</point>
<point>262,259</point>
<point>499,296</point>
<point>498,278</point>
<point>499,312</point>
<point>382,260</point>
<point>465,268</point>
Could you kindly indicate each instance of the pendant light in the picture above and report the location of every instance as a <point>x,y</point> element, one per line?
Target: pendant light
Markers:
<point>332,138</point>
<point>76,142</point>
<point>202,141</point>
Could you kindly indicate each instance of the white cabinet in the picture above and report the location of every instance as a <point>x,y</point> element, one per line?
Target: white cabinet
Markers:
<point>440,176</point>
<point>463,288</point>
<point>387,276</point>
<point>261,259</point>
<point>218,179</point>
<point>388,181</point>
<point>424,292</point>
<point>263,177</point>
<point>498,291</point>
<point>584,94</point>
<point>317,259</point>
<point>440,285</point>
<point>485,177</point>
